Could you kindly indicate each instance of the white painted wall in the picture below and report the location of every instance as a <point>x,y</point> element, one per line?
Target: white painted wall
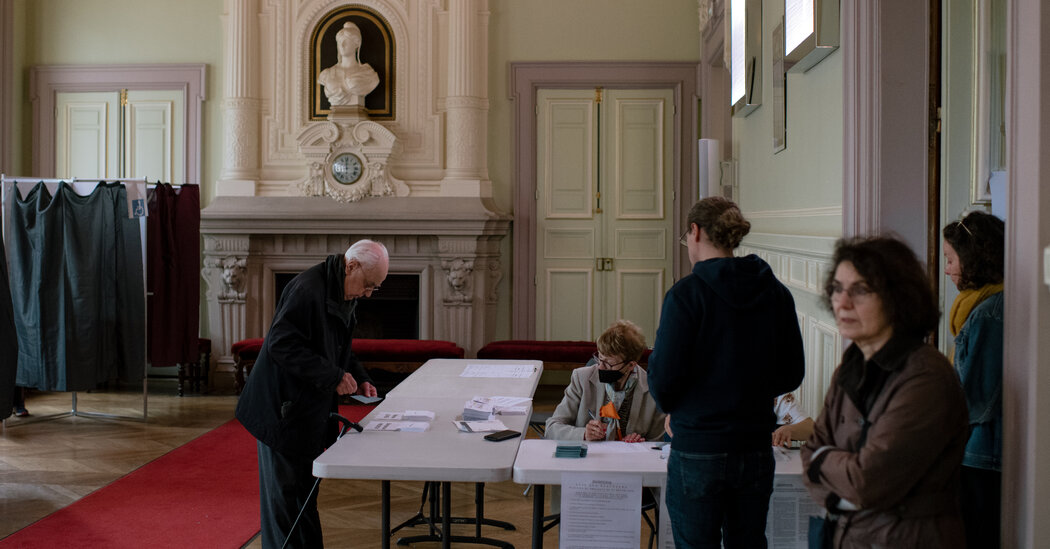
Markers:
<point>793,198</point>
<point>106,32</point>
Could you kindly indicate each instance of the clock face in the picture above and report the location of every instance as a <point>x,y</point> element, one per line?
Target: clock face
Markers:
<point>346,168</point>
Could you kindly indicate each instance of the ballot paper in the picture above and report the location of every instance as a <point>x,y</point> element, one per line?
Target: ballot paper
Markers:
<point>402,426</point>
<point>490,426</point>
<point>478,409</point>
<point>407,415</point>
<point>512,410</point>
<point>418,415</point>
<point>570,450</point>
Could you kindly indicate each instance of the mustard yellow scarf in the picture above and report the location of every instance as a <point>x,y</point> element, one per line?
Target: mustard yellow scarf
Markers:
<point>966,301</point>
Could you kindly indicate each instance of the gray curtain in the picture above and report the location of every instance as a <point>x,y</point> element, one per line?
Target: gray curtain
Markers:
<point>8,341</point>
<point>76,280</point>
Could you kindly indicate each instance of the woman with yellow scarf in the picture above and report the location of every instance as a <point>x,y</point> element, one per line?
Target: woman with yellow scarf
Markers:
<point>973,253</point>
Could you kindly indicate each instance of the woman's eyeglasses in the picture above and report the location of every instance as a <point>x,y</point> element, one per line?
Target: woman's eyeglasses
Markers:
<point>602,362</point>
<point>855,292</point>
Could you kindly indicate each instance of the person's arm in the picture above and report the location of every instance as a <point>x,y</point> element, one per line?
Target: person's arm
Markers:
<point>793,431</point>
<point>919,421</point>
<point>979,363</point>
<point>562,423</point>
<point>820,438</point>
<point>667,377</point>
<point>790,365</point>
<point>293,338</point>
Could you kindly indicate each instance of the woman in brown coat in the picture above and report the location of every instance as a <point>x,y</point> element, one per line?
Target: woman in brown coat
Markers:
<point>887,447</point>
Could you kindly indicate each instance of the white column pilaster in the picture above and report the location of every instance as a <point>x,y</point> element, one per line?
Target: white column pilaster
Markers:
<point>466,104</point>
<point>240,104</point>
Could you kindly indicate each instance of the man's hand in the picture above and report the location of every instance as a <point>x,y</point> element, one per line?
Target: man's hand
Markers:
<point>634,437</point>
<point>367,389</point>
<point>347,386</point>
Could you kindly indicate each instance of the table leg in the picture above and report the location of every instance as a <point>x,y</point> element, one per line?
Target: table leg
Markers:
<point>385,519</point>
<point>446,515</point>
<point>537,516</point>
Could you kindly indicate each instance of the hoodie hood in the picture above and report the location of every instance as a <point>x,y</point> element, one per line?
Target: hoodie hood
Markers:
<point>742,282</point>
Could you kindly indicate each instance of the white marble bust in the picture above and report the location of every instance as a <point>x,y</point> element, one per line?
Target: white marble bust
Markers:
<point>349,80</point>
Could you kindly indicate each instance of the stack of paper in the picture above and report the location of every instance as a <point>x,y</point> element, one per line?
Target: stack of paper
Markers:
<point>418,415</point>
<point>570,450</point>
<point>402,426</point>
<point>478,409</point>
<point>409,421</point>
<point>480,426</point>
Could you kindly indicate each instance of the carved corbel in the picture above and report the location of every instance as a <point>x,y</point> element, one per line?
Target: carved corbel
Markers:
<point>459,278</point>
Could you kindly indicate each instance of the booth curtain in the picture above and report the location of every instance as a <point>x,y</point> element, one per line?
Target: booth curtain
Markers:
<point>77,287</point>
<point>8,341</point>
<point>173,274</point>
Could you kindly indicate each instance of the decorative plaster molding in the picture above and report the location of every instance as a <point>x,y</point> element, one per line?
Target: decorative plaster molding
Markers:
<point>827,211</point>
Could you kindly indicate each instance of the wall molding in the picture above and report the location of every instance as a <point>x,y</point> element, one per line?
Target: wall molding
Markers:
<point>799,261</point>
<point>825,211</point>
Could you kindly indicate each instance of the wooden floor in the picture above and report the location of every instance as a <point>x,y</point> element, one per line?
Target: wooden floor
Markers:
<point>46,465</point>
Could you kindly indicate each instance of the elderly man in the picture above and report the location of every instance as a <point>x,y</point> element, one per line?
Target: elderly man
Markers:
<point>304,364</point>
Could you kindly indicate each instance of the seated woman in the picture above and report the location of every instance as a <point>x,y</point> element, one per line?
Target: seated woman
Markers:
<point>614,381</point>
<point>792,423</point>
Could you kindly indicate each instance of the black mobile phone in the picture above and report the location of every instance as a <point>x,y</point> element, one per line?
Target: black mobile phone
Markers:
<point>502,435</point>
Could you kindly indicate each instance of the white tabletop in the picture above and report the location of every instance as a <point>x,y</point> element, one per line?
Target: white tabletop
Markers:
<point>536,463</point>
<point>441,376</point>
<point>442,453</point>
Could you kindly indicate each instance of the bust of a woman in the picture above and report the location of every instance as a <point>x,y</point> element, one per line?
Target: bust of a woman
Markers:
<point>349,80</point>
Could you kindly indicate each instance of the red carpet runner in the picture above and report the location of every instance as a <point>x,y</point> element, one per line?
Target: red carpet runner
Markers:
<point>204,493</point>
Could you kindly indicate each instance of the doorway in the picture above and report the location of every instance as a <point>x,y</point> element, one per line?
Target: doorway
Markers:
<point>604,228</point>
<point>527,78</point>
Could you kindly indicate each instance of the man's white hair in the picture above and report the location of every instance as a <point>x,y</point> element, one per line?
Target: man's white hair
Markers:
<point>367,253</point>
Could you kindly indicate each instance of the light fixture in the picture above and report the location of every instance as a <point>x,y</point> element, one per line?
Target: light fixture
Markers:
<point>811,32</point>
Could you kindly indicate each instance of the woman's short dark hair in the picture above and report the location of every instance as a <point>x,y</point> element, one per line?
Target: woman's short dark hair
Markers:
<point>893,272</point>
<point>978,240</point>
<point>623,339</point>
<point>721,219</point>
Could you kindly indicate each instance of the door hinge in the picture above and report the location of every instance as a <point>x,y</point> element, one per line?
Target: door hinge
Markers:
<point>598,94</point>
<point>603,263</point>
<point>124,97</point>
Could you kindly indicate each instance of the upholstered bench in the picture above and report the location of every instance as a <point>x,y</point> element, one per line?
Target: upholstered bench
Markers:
<point>556,355</point>
<point>388,361</point>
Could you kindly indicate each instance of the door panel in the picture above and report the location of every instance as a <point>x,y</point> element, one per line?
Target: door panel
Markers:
<point>604,174</point>
<point>639,296</point>
<point>154,135</point>
<point>87,134</point>
<point>639,173</point>
<point>569,304</point>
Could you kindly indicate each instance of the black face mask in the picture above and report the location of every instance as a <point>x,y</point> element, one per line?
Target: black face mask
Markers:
<point>610,376</point>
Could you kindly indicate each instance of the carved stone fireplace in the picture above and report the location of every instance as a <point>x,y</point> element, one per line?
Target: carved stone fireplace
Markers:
<point>424,189</point>
<point>451,244</point>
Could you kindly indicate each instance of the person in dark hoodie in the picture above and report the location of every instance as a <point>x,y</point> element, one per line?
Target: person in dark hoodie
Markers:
<point>304,364</point>
<point>728,344</point>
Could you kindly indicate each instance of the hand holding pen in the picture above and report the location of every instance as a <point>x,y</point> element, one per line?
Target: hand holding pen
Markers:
<point>595,429</point>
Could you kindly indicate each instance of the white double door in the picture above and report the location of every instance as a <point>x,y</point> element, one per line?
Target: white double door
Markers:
<point>605,232</point>
<point>120,134</point>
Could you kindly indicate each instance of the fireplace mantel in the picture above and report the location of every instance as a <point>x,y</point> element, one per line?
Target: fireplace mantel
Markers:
<point>452,244</point>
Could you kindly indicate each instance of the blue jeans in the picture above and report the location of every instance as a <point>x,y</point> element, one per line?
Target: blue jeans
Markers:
<point>713,498</point>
